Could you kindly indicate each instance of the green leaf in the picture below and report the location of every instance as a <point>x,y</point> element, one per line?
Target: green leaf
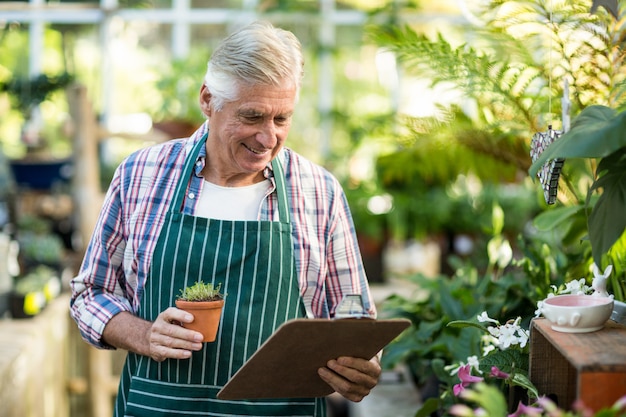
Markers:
<point>511,361</point>
<point>450,304</point>
<point>465,323</point>
<point>430,406</point>
<point>549,219</point>
<point>595,133</point>
<point>607,222</point>
<point>523,381</point>
<point>489,398</point>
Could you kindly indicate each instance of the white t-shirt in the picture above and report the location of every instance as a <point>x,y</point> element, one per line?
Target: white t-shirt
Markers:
<point>231,203</point>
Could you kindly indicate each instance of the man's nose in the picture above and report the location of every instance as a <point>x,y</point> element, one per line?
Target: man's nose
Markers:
<point>267,133</point>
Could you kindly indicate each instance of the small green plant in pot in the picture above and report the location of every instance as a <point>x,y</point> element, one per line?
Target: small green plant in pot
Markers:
<point>205,302</point>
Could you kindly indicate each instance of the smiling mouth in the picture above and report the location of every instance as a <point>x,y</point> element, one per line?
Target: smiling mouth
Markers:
<point>255,151</point>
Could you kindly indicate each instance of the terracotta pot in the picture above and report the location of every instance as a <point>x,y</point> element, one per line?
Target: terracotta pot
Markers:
<point>176,128</point>
<point>206,316</point>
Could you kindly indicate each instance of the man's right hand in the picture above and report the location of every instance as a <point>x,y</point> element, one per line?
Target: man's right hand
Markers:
<point>163,339</point>
<point>168,339</point>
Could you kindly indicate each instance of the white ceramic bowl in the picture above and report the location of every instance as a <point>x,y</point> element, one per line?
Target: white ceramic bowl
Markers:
<point>577,313</point>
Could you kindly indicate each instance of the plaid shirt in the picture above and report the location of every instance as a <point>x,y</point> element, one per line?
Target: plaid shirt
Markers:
<point>117,260</point>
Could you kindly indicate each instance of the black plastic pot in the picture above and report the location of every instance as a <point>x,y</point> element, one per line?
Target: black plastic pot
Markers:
<point>24,306</point>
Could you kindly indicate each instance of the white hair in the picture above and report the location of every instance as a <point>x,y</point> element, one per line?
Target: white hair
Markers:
<point>258,53</point>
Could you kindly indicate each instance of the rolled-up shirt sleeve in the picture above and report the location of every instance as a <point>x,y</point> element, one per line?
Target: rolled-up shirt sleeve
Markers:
<point>99,291</point>
<point>117,259</point>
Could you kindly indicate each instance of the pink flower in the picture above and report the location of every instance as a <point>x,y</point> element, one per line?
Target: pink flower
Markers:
<point>549,407</point>
<point>497,373</point>
<point>581,408</point>
<point>466,378</point>
<point>461,410</point>
<point>457,389</point>
<point>526,410</point>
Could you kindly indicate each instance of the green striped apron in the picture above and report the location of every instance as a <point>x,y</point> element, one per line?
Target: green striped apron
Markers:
<point>254,262</point>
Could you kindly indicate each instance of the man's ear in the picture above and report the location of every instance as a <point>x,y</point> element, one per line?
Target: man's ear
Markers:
<point>205,100</point>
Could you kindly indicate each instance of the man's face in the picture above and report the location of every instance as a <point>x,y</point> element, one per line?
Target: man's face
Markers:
<point>246,134</point>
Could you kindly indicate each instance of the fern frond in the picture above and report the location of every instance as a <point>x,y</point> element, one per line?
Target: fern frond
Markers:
<point>513,70</point>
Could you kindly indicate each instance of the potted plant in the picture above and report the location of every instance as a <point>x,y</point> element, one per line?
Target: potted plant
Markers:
<point>176,111</point>
<point>33,291</point>
<point>205,303</point>
<point>27,93</point>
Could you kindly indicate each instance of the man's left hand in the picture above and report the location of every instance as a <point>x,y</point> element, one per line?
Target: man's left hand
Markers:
<point>353,378</point>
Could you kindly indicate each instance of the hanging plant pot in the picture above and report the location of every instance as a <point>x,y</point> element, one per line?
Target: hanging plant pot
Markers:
<point>551,171</point>
<point>206,315</point>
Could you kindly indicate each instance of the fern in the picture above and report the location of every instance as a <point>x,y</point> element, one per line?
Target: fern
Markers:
<point>513,68</point>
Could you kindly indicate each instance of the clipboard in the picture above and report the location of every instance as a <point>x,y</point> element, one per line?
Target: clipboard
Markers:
<point>286,365</point>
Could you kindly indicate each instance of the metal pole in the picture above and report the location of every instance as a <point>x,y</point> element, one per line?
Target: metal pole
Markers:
<point>326,85</point>
<point>35,38</point>
<point>181,34</point>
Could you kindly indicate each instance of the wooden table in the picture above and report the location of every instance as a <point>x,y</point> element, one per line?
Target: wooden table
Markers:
<point>579,366</point>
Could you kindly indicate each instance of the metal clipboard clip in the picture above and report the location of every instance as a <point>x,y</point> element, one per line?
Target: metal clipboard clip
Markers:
<point>351,307</point>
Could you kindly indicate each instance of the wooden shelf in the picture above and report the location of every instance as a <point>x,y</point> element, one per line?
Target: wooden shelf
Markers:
<point>590,367</point>
<point>34,358</point>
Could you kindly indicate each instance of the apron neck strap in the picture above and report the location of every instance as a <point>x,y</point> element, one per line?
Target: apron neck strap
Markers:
<point>281,191</point>
<point>190,162</point>
<point>179,194</point>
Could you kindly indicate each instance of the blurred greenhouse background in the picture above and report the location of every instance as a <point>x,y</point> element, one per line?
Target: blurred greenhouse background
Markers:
<point>425,112</point>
